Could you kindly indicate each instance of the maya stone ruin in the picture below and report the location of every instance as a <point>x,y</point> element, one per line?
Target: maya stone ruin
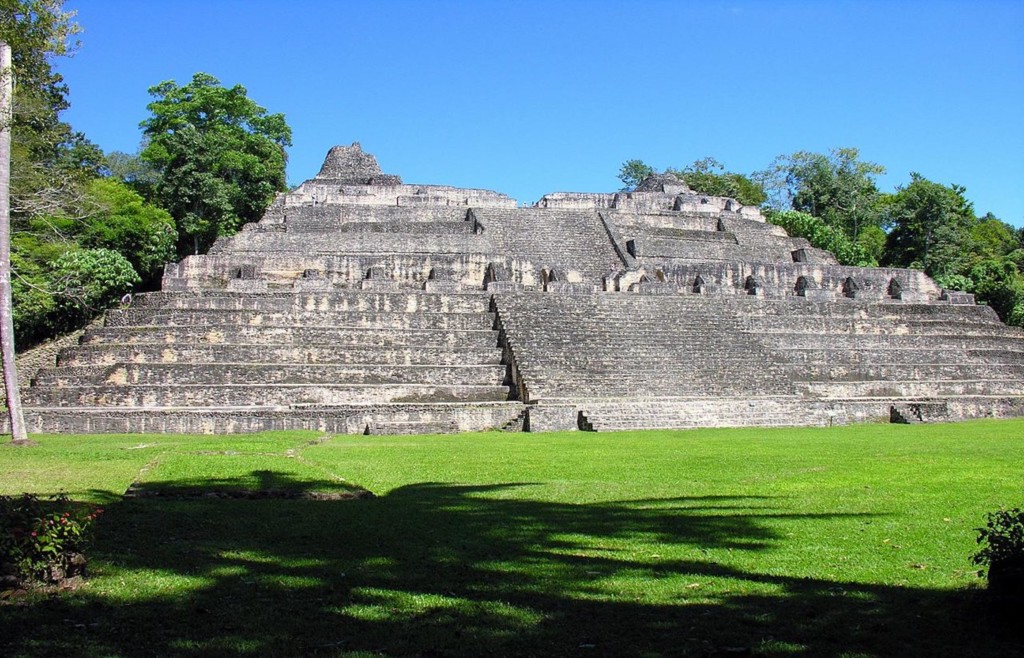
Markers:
<point>362,304</point>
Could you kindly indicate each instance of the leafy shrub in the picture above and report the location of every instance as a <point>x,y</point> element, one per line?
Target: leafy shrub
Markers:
<point>822,236</point>
<point>1002,551</point>
<point>42,541</point>
<point>955,282</point>
<point>142,233</point>
<point>90,280</point>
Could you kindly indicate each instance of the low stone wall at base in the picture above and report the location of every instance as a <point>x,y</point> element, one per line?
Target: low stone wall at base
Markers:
<point>347,419</point>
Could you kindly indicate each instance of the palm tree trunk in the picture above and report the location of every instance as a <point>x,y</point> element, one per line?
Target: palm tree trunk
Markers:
<point>17,419</point>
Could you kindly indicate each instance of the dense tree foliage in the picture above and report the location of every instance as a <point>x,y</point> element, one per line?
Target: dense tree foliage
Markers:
<point>220,157</point>
<point>934,228</point>
<point>89,227</point>
<point>632,173</point>
<point>125,223</point>
<point>931,226</point>
<point>832,199</point>
<point>69,268</point>
<point>822,235</point>
<point>708,176</point>
<point>836,187</point>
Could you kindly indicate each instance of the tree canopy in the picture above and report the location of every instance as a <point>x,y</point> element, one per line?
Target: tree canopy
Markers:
<point>822,235</point>
<point>708,176</point>
<point>832,199</point>
<point>632,173</point>
<point>836,186</point>
<point>931,225</point>
<point>220,157</point>
<point>704,176</point>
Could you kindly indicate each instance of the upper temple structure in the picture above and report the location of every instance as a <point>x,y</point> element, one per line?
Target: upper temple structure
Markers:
<point>360,303</point>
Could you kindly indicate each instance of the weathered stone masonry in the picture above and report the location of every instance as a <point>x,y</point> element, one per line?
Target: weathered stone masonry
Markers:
<point>363,304</point>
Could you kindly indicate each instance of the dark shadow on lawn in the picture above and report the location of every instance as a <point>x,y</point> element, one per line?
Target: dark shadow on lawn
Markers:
<point>488,575</point>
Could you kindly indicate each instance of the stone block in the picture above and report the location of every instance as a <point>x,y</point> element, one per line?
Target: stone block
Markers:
<point>957,297</point>
<point>551,418</point>
<point>571,288</point>
<point>504,286</point>
<point>817,295</point>
<point>435,285</point>
<point>246,285</point>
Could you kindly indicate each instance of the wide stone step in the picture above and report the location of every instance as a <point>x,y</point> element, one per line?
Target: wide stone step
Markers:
<point>325,216</point>
<point>913,389</point>
<point>109,354</point>
<point>153,374</point>
<point>438,242</point>
<point>601,335</point>
<point>612,305</point>
<point>411,301</point>
<point>894,356</point>
<point>317,318</point>
<point>412,427</point>
<point>669,414</point>
<point>879,327</point>
<point>664,324</point>
<point>773,411</point>
<point>335,419</point>
<point>288,335</point>
<point>399,227</point>
<point>905,371</point>
<point>556,366</point>
<point>797,324</point>
<point>256,395</point>
<point>953,342</point>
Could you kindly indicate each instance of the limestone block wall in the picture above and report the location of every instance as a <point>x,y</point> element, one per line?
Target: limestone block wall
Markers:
<point>287,269</point>
<point>675,351</point>
<point>573,244</point>
<point>328,192</point>
<point>782,279</point>
<point>575,201</point>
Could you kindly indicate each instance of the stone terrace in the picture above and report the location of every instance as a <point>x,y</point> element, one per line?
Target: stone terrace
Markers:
<point>360,303</point>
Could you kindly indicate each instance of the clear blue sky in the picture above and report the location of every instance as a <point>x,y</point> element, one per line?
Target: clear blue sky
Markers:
<point>534,97</point>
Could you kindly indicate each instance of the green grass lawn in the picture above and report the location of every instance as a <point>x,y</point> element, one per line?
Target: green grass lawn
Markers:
<point>847,541</point>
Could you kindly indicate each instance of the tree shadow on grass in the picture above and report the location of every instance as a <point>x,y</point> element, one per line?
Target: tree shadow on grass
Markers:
<point>447,570</point>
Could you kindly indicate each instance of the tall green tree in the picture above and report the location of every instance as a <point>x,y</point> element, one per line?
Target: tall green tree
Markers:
<point>836,186</point>
<point>123,222</point>
<point>221,157</point>
<point>45,151</point>
<point>993,238</point>
<point>31,31</point>
<point>632,173</point>
<point>932,226</point>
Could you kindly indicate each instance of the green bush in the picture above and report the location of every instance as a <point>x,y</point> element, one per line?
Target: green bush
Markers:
<point>822,236</point>
<point>42,541</point>
<point>1002,551</point>
<point>87,281</point>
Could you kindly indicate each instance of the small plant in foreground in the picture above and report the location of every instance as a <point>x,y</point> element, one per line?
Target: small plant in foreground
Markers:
<point>1003,551</point>
<point>42,542</point>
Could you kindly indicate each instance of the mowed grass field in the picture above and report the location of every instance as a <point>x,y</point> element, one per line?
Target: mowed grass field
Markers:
<point>845,541</point>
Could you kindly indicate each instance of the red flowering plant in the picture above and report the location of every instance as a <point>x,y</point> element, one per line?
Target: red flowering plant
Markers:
<point>42,542</point>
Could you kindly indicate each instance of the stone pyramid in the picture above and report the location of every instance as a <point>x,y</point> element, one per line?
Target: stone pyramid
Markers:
<point>359,303</point>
